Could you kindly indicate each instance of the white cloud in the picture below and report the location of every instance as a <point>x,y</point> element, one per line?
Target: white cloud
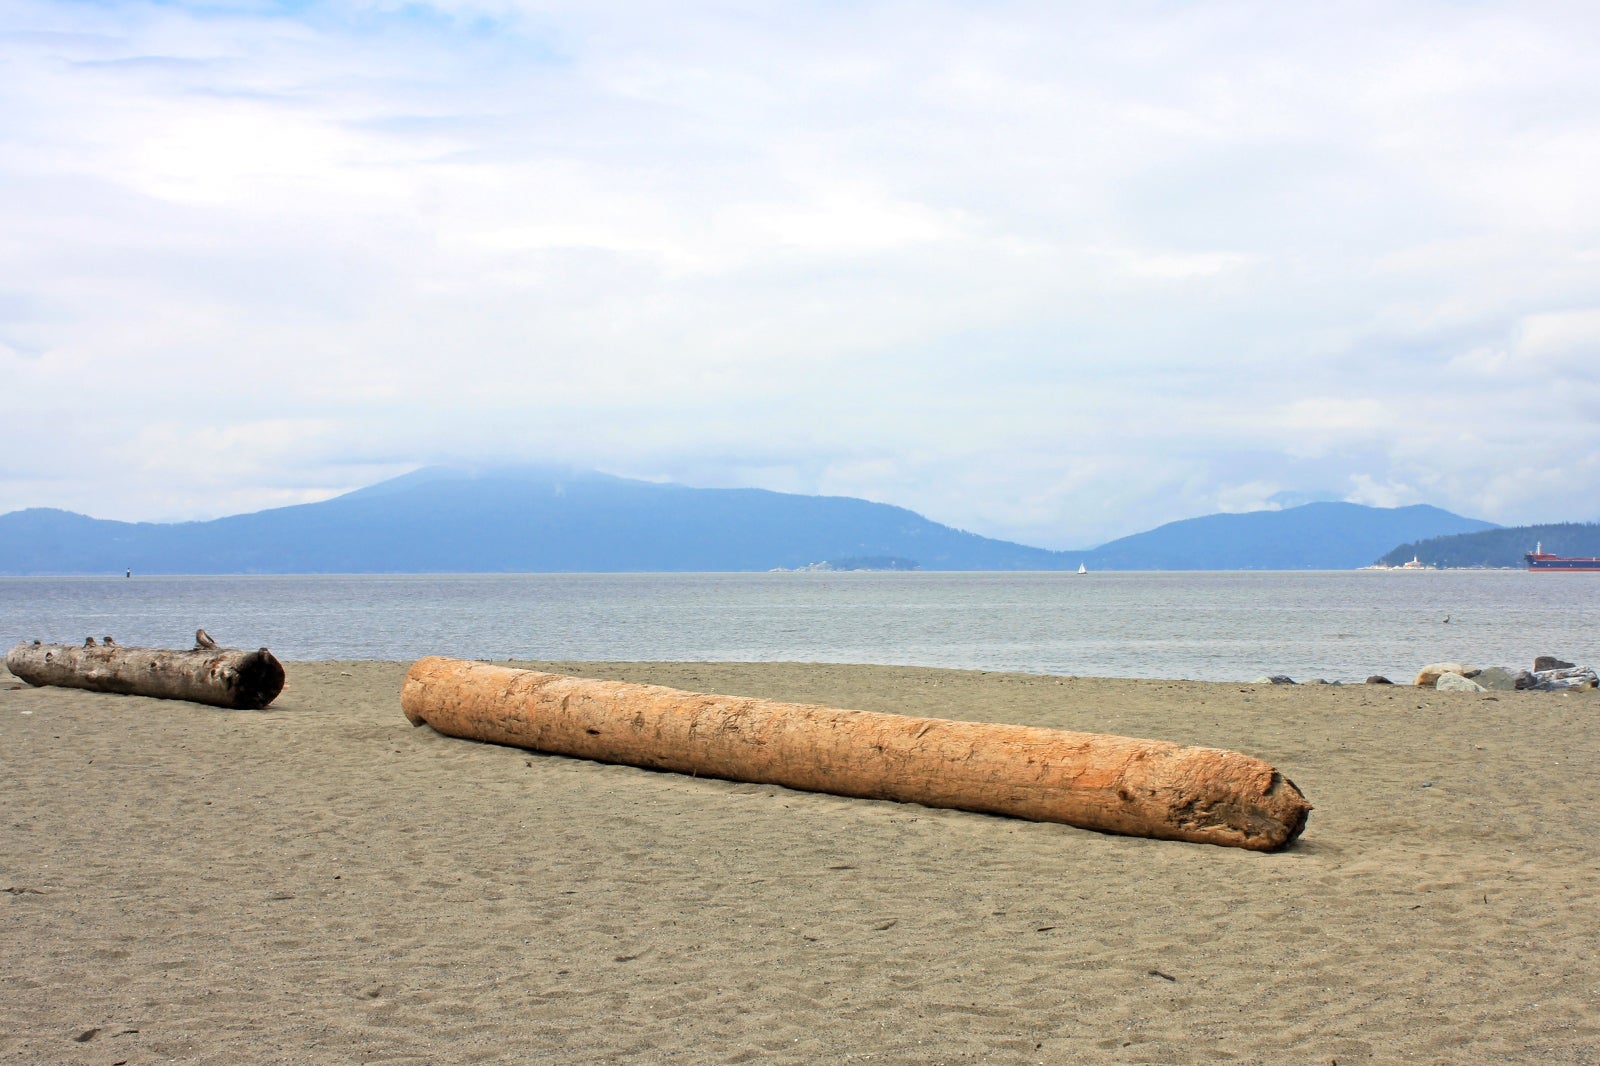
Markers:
<point>1054,273</point>
<point>1253,496</point>
<point>1566,342</point>
<point>1367,490</point>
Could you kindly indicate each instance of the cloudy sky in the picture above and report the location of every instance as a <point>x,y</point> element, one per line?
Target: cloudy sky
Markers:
<point>1055,272</point>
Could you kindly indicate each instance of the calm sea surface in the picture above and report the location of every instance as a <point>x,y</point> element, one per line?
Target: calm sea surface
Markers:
<point>1206,626</point>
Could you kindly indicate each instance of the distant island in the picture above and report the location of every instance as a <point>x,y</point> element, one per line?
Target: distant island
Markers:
<point>864,562</point>
<point>539,519</point>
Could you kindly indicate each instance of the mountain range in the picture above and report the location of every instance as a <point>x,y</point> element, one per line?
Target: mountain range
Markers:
<point>531,519</point>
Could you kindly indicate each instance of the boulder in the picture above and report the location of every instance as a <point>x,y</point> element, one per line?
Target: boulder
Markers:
<point>1379,679</point>
<point>1450,682</point>
<point>1428,675</point>
<point>1550,662</point>
<point>1501,679</point>
<point>1273,679</point>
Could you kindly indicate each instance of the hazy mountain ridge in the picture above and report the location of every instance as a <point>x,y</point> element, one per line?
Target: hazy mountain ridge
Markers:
<point>1313,536</point>
<point>1500,547</point>
<point>512,520</point>
<point>550,519</point>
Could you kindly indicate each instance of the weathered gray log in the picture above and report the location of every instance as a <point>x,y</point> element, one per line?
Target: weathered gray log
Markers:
<point>221,677</point>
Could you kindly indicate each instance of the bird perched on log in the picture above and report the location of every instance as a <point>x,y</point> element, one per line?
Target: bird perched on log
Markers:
<point>108,642</point>
<point>203,640</point>
<point>88,642</point>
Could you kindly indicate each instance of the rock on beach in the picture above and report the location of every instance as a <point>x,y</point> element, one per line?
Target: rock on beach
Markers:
<point>1429,675</point>
<point>1452,682</point>
<point>1545,677</point>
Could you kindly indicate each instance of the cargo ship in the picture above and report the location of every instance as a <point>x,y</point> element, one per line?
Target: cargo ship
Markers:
<point>1539,559</point>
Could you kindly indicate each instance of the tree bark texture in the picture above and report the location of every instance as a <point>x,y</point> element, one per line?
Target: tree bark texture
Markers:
<point>1114,784</point>
<point>221,677</point>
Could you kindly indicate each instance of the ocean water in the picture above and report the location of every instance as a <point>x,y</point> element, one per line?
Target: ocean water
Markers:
<point>1215,626</point>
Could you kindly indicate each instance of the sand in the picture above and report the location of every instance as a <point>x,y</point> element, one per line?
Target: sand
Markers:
<point>322,882</point>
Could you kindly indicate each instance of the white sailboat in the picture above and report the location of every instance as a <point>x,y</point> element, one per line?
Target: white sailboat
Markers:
<point>1082,569</point>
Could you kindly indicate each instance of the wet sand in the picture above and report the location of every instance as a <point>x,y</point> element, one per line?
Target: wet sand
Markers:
<point>322,882</point>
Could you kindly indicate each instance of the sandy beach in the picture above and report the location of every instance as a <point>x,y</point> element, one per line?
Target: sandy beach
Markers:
<point>322,882</point>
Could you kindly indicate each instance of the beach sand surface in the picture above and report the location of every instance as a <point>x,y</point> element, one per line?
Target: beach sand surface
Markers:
<point>323,882</point>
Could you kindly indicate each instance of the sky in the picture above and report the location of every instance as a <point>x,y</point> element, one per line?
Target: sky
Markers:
<point>1052,272</point>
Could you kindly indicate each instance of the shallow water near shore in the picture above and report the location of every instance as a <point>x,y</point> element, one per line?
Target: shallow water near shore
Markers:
<point>1210,626</point>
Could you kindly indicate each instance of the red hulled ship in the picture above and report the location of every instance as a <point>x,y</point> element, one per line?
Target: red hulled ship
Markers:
<point>1539,559</point>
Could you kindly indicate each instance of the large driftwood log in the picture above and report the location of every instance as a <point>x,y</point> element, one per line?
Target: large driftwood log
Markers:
<point>221,677</point>
<point>1116,784</point>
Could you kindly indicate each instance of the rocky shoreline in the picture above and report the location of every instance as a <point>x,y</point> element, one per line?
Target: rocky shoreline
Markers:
<point>1549,674</point>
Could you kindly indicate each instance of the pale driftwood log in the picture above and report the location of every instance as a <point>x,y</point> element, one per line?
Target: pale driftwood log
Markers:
<point>221,677</point>
<point>1115,784</point>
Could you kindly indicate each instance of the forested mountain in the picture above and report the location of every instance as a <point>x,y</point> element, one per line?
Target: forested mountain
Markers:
<point>1502,547</point>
